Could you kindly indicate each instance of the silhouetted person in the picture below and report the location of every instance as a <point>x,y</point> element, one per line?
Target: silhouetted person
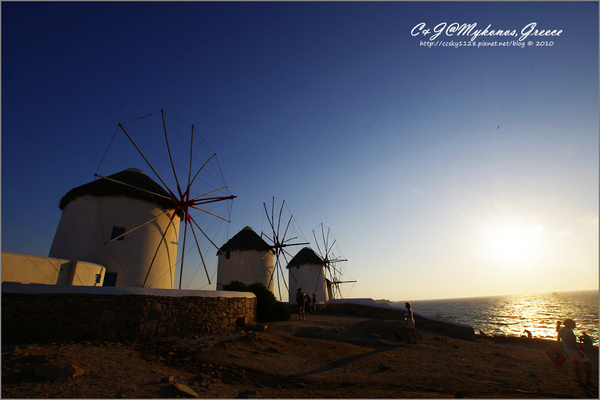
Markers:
<point>573,351</point>
<point>300,302</point>
<point>410,325</point>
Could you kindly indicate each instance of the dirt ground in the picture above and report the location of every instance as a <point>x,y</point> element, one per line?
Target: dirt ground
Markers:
<point>325,356</point>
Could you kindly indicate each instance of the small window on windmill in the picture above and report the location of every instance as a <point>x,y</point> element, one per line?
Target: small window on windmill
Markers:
<point>117,231</point>
<point>228,254</point>
<point>110,279</point>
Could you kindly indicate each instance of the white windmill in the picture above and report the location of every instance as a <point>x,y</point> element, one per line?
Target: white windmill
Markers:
<point>307,272</point>
<point>129,223</point>
<point>319,272</point>
<point>247,258</point>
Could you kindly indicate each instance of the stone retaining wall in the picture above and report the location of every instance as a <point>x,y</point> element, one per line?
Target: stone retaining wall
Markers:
<point>459,331</point>
<point>46,316</point>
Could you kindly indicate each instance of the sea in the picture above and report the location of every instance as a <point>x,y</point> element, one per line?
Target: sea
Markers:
<point>511,315</point>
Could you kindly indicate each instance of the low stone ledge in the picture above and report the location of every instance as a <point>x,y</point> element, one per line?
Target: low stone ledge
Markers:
<point>73,313</point>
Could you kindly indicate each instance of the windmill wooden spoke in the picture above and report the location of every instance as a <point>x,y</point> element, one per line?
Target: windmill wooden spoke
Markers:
<point>286,230</point>
<point>170,155</point>
<point>318,280</point>
<point>182,251</point>
<point>137,227</point>
<point>330,248</point>
<point>290,239</point>
<point>282,279</point>
<point>162,239</point>
<point>326,243</point>
<point>325,240</point>
<point>215,199</point>
<point>279,220</point>
<point>201,256</point>
<point>334,269</point>
<point>293,276</point>
<point>145,159</point>
<point>268,237</point>
<point>284,252</point>
<point>203,233</point>
<point>317,243</point>
<point>201,168</point>
<point>211,192</point>
<point>189,183</point>
<point>208,212</point>
<point>276,267</point>
<point>208,200</point>
<point>133,186</point>
<point>275,271</point>
<point>269,219</point>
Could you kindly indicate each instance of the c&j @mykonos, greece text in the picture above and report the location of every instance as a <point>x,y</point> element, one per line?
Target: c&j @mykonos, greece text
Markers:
<point>457,35</point>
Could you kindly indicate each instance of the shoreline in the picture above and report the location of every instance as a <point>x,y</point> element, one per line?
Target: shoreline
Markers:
<point>325,356</point>
<point>533,340</point>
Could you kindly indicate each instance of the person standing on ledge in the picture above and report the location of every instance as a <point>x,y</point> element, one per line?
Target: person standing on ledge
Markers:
<point>300,302</point>
<point>575,354</point>
<point>410,325</point>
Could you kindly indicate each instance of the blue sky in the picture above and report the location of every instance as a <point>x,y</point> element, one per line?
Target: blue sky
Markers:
<point>442,172</point>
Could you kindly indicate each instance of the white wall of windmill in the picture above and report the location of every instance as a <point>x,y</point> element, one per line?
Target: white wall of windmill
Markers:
<point>87,223</point>
<point>247,266</point>
<point>310,278</point>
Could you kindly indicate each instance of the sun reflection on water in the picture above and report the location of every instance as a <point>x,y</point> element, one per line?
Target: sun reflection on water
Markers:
<point>512,315</point>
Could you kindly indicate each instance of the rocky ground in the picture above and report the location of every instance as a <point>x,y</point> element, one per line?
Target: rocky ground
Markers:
<point>323,357</point>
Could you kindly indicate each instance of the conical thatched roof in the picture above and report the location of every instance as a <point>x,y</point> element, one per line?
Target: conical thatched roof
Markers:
<point>245,240</point>
<point>134,177</point>
<point>304,257</point>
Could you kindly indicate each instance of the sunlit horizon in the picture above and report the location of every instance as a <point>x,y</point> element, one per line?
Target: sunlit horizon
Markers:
<point>495,295</point>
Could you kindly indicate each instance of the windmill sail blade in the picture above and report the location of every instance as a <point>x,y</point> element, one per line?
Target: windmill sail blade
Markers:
<point>170,155</point>
<point>279,220</point>
<point>182,254</point>
<point>137,227</point>
<point>203,233</point>
<point>133,186</point>
<point>145,159</point>
<point>206,194</point>
<point>208,212</point>
<point>189,182</point>
<point>317,243</point>
<point>201,168</point>
<point>162,239</point>
<point>201,255</point>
